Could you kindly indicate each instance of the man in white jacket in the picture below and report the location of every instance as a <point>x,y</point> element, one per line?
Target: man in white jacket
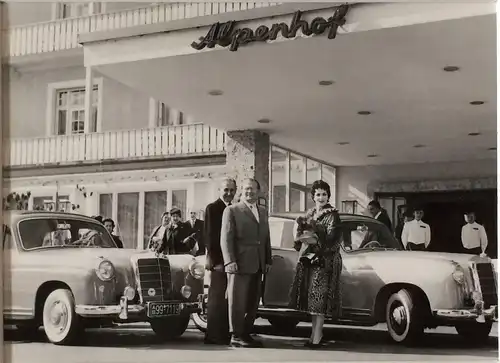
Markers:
<point>474,239</point>
<point>416,234</point>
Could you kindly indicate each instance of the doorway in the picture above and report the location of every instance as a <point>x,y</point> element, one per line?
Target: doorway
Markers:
<point>444,212</point>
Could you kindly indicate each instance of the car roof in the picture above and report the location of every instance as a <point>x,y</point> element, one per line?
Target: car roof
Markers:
<point>13,216</point>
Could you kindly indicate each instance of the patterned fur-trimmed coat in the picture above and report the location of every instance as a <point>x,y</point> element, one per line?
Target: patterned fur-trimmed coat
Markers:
<point>316,289</point>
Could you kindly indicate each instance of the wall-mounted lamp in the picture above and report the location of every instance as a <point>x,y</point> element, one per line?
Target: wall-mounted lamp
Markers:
<point>350,206</point>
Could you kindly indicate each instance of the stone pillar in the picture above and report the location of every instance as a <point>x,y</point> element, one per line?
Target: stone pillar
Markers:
<point>248,157</point>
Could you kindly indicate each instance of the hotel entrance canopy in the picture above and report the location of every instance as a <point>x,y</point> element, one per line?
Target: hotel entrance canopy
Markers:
<point>400,83</point>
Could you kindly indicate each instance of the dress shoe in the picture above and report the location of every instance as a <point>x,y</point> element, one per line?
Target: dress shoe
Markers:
<point>241,343</point>
<point>254,342</point>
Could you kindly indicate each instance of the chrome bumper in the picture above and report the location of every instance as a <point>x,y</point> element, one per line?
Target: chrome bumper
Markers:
<point>467,314</point>
<point>124,310</point>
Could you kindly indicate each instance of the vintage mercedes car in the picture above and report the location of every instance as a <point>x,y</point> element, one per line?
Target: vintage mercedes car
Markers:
<point>383,283</point>
<point>63,271</point>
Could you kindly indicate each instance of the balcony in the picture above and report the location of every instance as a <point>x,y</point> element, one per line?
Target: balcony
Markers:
<point>121,145</point>
<point>62,34</point>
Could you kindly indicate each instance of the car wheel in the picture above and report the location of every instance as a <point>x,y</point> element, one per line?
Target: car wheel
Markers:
<point>200,321</point>
<point>171,327</point>
<point>474,332</point>
<point>282,324</point>
<point>403,317</point>
<point>60,322</point>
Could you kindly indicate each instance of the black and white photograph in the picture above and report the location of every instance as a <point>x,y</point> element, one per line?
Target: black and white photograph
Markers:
<point>249,181</point>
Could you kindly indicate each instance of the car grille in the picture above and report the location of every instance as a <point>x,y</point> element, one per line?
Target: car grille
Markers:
<point>155,279</point>
<point>487,281</point>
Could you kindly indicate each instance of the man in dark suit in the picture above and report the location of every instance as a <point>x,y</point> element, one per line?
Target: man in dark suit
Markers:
<point>179,234</point>
<point>217,319</point>
<point>379,214</point>
<point>197,227</point>
<point>246,248</point>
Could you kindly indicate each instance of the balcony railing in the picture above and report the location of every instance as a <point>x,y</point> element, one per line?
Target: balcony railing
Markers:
<point>63,33</point>
<point>184,140</point>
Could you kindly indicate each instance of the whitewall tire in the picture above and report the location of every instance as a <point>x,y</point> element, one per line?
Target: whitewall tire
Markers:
<point>402,317</point>
<point>60,321</point>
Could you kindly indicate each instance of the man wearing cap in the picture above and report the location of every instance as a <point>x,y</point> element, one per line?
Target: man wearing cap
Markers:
<point>416,234</point>
<point>474,239</point>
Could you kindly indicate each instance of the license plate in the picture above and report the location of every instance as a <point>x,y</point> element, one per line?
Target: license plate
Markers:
<point>159,309</point>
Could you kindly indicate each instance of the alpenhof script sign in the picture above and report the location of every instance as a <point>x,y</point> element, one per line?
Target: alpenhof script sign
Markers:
<point>226,35</point>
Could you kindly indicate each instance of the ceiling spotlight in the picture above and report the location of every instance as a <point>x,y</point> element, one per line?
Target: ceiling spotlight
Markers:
<point>364,113</point>
<point>418,146</point>
<point>343,143</point>
<point>215,92</point>
<point>474,133</point>
<point>264,121</point>
<point>451,68</point>
<point>326,83</point>
<point>475,103</point>
<point>372,156</point>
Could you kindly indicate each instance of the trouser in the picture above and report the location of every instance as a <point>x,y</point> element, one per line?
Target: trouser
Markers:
<point>243,292</point>
<point>473,251</point>
<point>415,247</point>
<point>217,314</point>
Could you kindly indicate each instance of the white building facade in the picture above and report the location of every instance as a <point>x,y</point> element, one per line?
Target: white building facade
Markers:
<point>399,106</point>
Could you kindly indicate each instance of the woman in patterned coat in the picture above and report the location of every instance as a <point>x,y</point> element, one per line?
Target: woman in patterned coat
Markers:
<point>316,287</point>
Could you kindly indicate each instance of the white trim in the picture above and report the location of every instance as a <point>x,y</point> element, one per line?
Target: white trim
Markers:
<point>52,89</point>
<point>140,221</point>
<point>153,112</point>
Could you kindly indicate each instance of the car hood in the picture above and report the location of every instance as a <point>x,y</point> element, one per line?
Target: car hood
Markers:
<point>461,258</point>
<point>88,257</point>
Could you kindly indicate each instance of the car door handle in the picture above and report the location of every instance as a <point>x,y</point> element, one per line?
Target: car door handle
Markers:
<point>279,257</point>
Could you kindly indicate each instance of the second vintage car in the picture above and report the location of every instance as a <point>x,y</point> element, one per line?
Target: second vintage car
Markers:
<point>64,272</point>
<point>383,283</point>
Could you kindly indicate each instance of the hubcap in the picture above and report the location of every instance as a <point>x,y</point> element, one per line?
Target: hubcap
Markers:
<point>58,316</point>
<point>398,318</point>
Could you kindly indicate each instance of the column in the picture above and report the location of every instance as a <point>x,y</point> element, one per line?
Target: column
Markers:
<point>153,112</point>
<point>88,98</point>
<point>248,157</point>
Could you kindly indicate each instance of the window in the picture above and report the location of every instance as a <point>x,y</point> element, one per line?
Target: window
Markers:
<point>51,232</point>
<point>40,203</point>
<point>155,203</point>
<point>179,200</point>
<point>65,10</point>
<point>292,176</point>
<point>128,218</point>
<point>367,235</point>
<point>70,111</point>
<point>106,205</point>
<point>163,115</point>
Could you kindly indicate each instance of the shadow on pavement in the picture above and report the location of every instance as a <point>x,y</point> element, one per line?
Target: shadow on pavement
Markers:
<point>348,340</point>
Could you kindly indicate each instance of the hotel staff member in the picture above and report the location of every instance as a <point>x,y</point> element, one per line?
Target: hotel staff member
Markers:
<point>416,234</point>
<point>474,239</point>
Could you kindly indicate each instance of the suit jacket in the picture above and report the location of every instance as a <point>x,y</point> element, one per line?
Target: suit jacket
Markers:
<point>212,226</point>
<point>117,240</point>
<point>198,230</point>
<point>244,240</point>
<point>384,218</point>
<point>172,240</point>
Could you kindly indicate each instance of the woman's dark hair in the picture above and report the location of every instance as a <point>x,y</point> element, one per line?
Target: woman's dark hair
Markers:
<point>109,220</point>
<point>320,184</point>
<point>175,210</point>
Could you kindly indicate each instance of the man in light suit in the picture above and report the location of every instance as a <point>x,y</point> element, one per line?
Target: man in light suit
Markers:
<point>246,249</point>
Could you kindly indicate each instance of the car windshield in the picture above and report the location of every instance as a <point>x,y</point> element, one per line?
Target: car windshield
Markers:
<point>362,235</point>
<point>54,232</point>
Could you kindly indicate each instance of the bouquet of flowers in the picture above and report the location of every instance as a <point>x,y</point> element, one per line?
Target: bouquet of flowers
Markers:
<point>306,231</point>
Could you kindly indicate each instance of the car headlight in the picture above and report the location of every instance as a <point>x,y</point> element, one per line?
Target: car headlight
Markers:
<point>129,293</point>
<point>186,291</point>
<point>197,270</point>
<point>105,271</point>
<point>459,275</point>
